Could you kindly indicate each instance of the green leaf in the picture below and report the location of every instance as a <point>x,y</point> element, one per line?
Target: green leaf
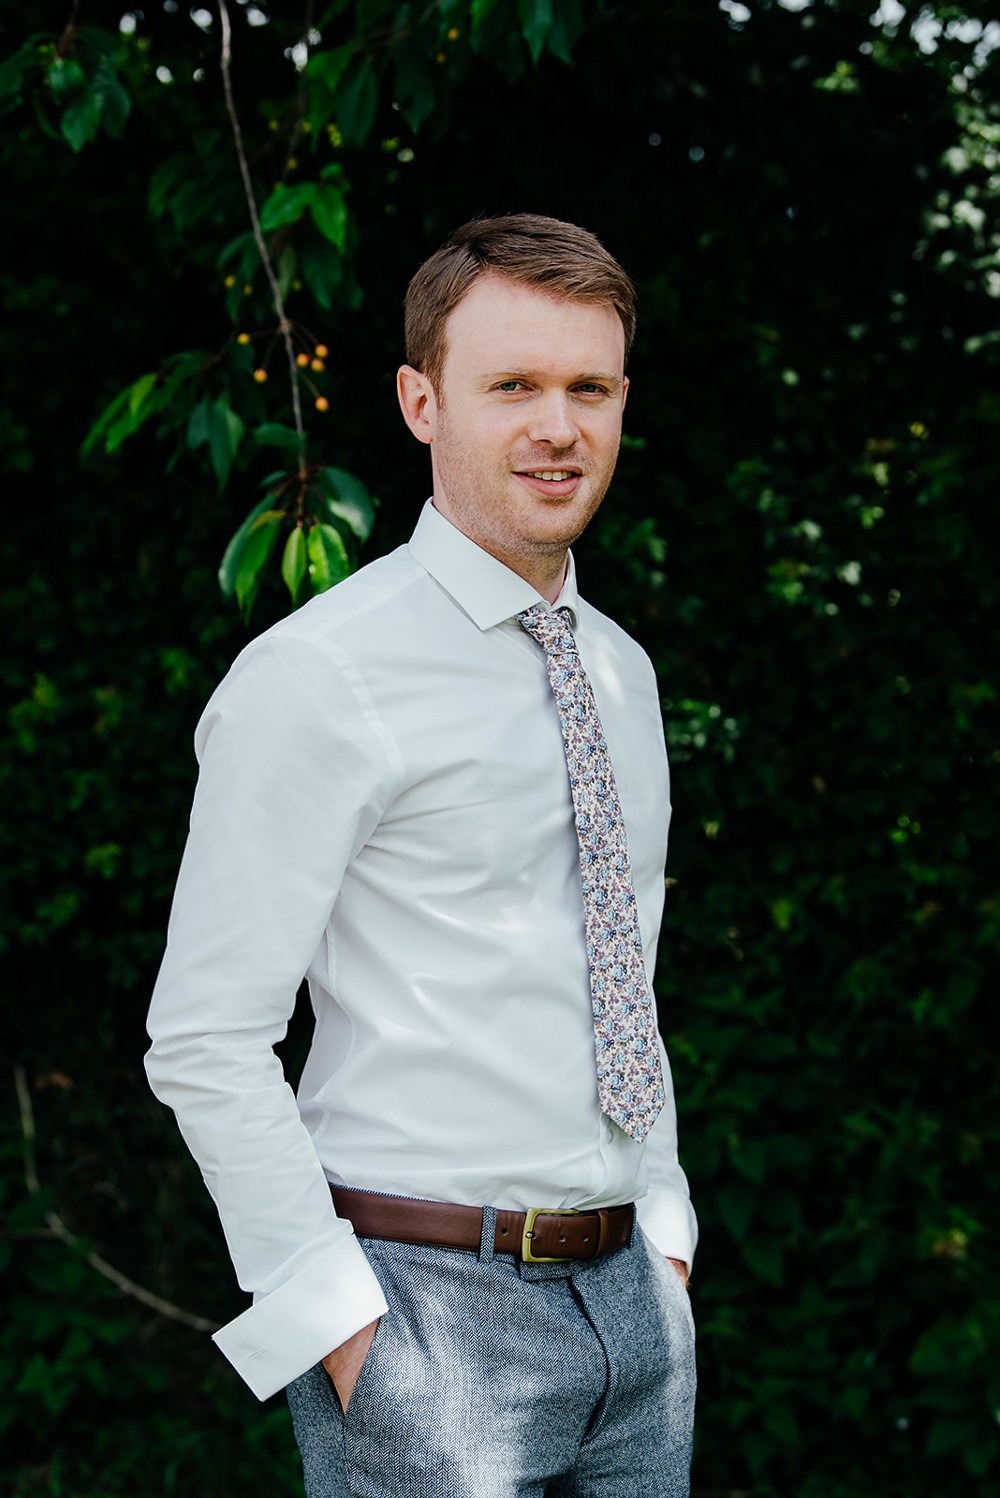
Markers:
<point>980,1454</point>
<point>294,562</point>
<point>286,205</point>
<point>567,26</point>
<point>115,102</point>
<point>179,371</point>
<point>946,1434</point>
<point>231,558</point>
<point>139,393</point>
<point>480,11</point>
<point>329,213</point>
<point>779,1422</point>
<point>328,559</point>
<point>346,498</point>
<point>273,434</point>
<point>765,1258</point>
<point>321,269</point>
<point>324,71</point>
<point>216,424</point>
<point>536,23</point>
<point>286,268</point>
<point>65,77</point>
<point>81,119</point>
<point>254,556</point>
<point>237,247</point>
<point>414,86</point>
<point>736,1207</point>
<point>12,75</point>
<point>98,41</point>
<point>122,416</point>
<point>169,177</point>
<point>357,99</point>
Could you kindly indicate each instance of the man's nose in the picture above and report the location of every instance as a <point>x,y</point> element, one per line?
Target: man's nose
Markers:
<point>553,421</point>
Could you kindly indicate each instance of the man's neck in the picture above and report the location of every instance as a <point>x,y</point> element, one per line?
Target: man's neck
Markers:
<point>550,583</point>
<point>545,571</point>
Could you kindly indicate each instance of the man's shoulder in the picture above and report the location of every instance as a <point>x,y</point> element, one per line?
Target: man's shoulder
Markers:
<point>312,657</point>
<point>367,597</point>
<point>602,629</point>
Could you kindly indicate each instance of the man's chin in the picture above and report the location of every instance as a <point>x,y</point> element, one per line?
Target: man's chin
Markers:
<point>559,523</point>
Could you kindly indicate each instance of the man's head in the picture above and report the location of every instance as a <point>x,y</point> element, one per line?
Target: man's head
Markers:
<point>559,259</point>
<point>517,332</point>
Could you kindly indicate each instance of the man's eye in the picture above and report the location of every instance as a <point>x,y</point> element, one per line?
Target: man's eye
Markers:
<point>509,386</point>
<point>589,389</point>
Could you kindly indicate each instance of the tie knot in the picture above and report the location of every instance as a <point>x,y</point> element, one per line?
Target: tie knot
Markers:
<point>551,628</point>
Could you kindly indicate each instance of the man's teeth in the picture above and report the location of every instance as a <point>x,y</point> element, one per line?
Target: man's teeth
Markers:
<point>555,478</point>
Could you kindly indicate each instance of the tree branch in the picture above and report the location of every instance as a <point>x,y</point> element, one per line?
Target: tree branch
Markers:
<point>59,1230</point>
<point>284,326</point>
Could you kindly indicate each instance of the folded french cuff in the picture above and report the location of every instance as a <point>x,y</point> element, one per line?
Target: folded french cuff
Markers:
<point>293,1327</point>
<point>667,1218</point>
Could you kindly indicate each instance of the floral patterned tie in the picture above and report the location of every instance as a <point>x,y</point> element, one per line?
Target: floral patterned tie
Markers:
<point>629,1079</point>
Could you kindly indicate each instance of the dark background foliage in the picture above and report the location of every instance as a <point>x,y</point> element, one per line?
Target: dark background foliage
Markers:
<point>800,533</point>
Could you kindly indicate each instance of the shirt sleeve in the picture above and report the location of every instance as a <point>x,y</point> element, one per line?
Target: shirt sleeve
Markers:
<point>665,1213</point>
<point>294,773</point>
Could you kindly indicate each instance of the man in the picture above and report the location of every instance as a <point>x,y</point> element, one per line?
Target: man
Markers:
<point>440,793</point>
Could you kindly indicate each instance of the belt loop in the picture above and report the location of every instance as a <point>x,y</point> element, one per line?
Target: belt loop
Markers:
<point>602,1231</point>
<point>486,1242</point>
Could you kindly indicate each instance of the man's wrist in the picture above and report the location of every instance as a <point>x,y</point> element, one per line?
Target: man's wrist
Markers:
<point>681,1269</point>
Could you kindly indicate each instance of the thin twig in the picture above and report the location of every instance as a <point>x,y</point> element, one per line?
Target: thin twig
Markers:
<point>59,1230</point>
<point>284,326</point>
<point>65,41</point>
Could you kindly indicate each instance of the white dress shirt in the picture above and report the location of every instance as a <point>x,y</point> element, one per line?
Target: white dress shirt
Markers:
<point>383,805</point>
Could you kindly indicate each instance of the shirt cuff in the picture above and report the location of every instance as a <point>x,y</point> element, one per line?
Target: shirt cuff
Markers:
<point>293,1327</point>
<point>667,1218</point>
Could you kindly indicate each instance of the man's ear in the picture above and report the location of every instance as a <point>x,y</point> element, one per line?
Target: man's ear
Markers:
<point>624,391</point>
<point>417,402</point>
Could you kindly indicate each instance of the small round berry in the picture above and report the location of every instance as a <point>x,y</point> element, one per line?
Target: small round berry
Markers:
<point>302,360</point>
<point>322,404</point>
<point>318,366</point>
<point>260,375</point>
<point>321,351</point>
<point>229,281</point>
<point>243,338</point>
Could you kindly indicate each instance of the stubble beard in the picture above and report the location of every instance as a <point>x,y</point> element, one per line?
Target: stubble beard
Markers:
<point>504,528</point>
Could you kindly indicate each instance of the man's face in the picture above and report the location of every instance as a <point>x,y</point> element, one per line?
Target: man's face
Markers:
<point>525,427</point>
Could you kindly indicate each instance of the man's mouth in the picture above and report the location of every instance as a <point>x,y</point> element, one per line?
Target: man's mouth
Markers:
<point>557,483</point>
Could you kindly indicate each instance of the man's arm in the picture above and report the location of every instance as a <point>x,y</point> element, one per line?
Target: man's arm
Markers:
<point>665,1213</point>
<point>293,778</point>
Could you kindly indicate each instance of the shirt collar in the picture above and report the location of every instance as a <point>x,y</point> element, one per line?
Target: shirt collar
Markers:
<point>487,590</point>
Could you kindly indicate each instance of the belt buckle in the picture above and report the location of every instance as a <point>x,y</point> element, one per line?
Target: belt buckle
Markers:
<point>529,1225</point>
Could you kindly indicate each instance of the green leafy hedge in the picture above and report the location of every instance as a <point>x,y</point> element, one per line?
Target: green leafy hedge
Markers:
<point>799,532</point>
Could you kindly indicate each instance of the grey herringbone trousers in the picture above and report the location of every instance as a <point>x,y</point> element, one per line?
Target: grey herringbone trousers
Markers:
<point>495,1379</point>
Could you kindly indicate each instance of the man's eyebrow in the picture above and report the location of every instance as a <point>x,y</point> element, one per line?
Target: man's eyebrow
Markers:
<point>595,378</point>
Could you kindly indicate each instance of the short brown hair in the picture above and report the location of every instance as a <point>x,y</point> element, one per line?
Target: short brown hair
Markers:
<point>543,252</point>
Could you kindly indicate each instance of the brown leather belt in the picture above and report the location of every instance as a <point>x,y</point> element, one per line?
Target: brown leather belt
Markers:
<point>540,1235</point>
